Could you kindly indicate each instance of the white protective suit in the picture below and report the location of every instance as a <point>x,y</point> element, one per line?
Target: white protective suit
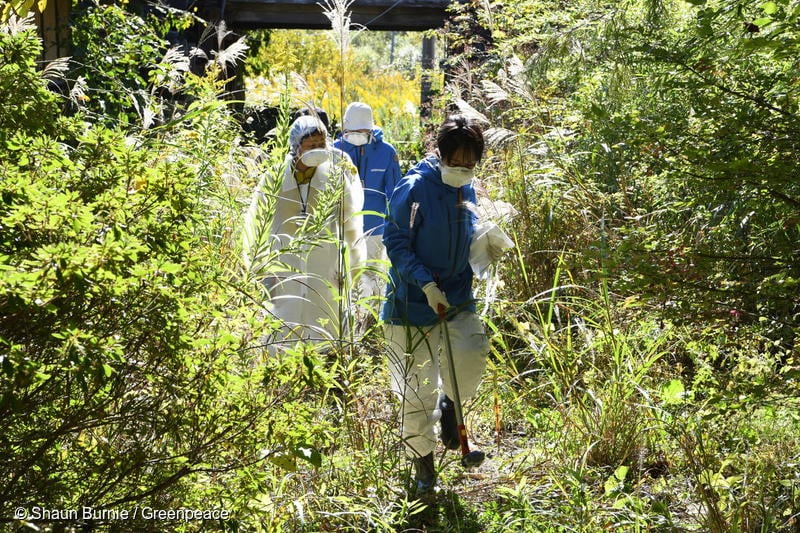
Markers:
<point>306,295</point>
<point>420,370</point>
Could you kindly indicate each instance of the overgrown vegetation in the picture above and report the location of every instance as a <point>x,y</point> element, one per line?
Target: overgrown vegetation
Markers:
<point>645,359</point>
<point>128,375</point>
<point>649,145</point>
<point>323,74</point>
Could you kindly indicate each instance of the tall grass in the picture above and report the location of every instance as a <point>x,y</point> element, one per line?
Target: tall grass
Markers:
<point>576,406</point>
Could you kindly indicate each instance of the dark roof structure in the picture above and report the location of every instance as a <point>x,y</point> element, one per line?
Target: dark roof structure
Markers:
<point>398,15</point>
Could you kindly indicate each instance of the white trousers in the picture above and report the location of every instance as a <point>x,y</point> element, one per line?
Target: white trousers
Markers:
<point>374,278</point>
<point>419,370</point>
<point>307,300</point>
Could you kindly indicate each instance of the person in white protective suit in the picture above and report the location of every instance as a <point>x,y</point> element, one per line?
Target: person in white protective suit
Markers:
<point>310,225</point>
<point>429,234</point>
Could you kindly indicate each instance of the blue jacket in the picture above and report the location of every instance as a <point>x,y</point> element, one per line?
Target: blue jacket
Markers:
<point>427,236</point>
<point>379,169</point>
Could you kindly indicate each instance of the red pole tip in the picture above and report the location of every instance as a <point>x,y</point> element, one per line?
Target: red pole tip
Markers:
<point>462,437</point>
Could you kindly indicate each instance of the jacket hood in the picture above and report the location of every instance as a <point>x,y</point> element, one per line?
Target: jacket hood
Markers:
<point>433,172</point>
<point>430,169</point>
<point>377,136</point>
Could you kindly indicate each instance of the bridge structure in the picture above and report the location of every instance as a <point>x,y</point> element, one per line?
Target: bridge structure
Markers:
<point>243,15</point>
<point>385,15</point>
<point>377,15</point>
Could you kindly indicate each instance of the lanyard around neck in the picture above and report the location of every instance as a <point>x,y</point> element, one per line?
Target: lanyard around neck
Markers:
<point>306,176</point>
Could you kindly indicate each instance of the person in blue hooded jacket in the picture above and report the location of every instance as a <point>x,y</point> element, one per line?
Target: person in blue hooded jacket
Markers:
<point>379,169</point>
<point>428,233</point>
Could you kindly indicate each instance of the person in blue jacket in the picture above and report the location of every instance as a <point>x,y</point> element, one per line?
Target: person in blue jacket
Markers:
<point>428,232</point>
<point>379,169</point>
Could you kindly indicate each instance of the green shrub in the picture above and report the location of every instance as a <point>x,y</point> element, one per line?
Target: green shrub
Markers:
<point>19,81</point>
<point>129,374</point>
<point>120,56</point>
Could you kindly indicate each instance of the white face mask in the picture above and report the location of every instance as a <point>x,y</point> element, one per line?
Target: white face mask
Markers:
<point>456,176</point>
<point>315,157</point>
<point>356,138</point>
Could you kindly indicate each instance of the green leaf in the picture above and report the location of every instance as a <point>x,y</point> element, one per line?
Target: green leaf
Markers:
<point>761,42</point>
<point>673,392</point>
<point>309,454</point>
<point>22,7</point>
<point>171,268</point>
<point>611,485</point>
<point>285,461</point>
<point>770,8</point>
<point>616,482</point>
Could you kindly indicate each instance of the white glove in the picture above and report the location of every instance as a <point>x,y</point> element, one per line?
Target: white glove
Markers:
<point>436,298</point>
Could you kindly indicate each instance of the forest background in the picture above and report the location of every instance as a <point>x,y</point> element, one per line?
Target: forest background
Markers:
<point>645,355</point>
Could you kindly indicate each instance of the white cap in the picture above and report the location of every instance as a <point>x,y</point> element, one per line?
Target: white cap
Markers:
<point>302,128</point>
<point>358,116</point>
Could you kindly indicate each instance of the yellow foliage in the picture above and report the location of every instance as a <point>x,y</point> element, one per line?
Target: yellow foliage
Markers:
<point>21,8</point>
<point>320,74</point>
<point>299,51</point>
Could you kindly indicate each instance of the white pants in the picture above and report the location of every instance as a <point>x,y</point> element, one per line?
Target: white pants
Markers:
<point>419,369</point>
<point>307,300</point>
<point>374,278</point>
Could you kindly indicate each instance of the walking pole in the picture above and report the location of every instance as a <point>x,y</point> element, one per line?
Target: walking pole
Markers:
<point>469,459</point>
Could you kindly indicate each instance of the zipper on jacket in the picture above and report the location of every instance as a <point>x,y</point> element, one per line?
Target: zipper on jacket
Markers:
<point>459,223</point>
<point>361,173</point>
